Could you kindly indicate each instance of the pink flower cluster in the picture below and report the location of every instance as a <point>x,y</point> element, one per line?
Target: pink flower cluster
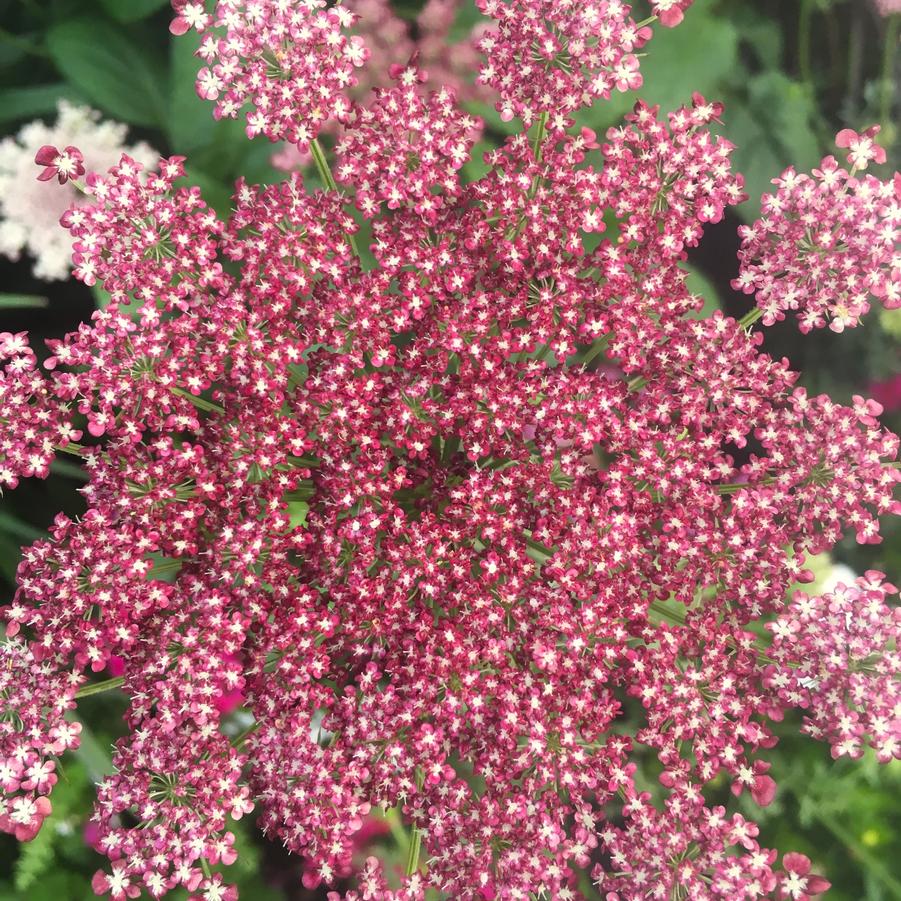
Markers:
<point>292,63</point>
<point>60,164</point>
<point>37,684</point>
<point>558,54</point>
<point>404,150</point>
<point>683,172</point>
<point>836,657</point>
<point>391,41</point>
<point>33,420</point>
<point>670,12</point>
<point>827,243</point>
<point>474,529</point>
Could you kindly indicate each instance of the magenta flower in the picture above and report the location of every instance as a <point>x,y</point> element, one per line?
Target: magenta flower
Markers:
<point>25,816</point>
<point>190,14</point>
<point>797,883</point>
<point>863,147</point>
<point>62,164</point>
<point>671,12</point>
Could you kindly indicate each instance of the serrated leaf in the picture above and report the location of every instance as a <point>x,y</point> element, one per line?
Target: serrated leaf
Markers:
<point>35,858</point>
<point>110,68</point>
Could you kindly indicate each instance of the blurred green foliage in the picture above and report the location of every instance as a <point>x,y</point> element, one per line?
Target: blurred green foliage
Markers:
<point>791,72</point>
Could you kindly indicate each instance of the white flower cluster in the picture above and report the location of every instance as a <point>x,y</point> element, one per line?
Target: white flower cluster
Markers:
<point>29,209</point>
<point>888,7</point>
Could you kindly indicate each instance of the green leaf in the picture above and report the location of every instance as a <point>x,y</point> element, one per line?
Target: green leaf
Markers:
<point>699,56</point>
<point>9,558</point>
<point>22,301</point>
<point>492,118</point>
<point>760,33</point>
<point>33,101</point>
<point>110,68</point>
<point>12,525</point>
<point>220,149</point>
<point>67,470</point>
<point>101,296</point>
<point>190,121</point>
<point>37,857</point>
<point>94,756</point>
<point>468,17</point>
<point>699,284</point>
<point>132,10</point>
<point>214,191</point>
<point>475,167</point>
<point>297,513</point>
<point>772,129</point>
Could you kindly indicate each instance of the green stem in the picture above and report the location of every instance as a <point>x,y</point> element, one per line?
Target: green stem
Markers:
<point>240,738</point>
<point>887,89</point>
<point>855,61</point>
<point>322,166</point>
<point>750,317</point>
<point>73,448</point>
<point>537,146</point>
<point>98,688</point>
<point>398,833</point>
<point>415,834</point>
<point>540,134</point>
<point>325,173</point>
<point>413,854</point>
<point>637,383</point>
<point>22,301</point>
<point>199,402</point>
<point>873,863</point>
<point>804,26</point>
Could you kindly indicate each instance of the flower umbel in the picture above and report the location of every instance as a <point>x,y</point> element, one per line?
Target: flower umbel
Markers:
<point>471,525</point>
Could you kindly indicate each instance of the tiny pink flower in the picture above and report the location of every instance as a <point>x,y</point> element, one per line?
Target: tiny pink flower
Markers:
<point>797,883</point>
<point>64,164</point>
<point>863,146</point>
